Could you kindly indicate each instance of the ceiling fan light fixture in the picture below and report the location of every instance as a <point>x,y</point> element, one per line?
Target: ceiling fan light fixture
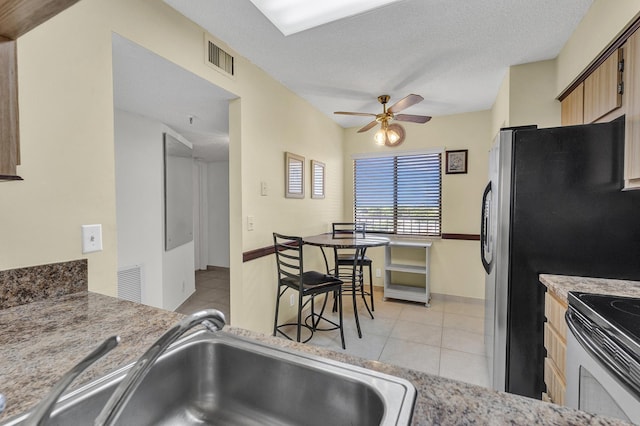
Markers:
<point>389,134</point>
<point>381,135</point>
<point>395,135</point>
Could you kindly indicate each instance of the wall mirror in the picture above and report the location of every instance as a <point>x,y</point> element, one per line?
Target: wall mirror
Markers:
<point>178,193</point>
<point>317,179</point>
<point>294,175</point>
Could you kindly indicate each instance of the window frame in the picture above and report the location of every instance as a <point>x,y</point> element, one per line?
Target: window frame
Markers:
<point>423,230</point>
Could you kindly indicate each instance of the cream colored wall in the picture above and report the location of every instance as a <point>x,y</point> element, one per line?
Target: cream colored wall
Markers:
<point>67,150</point>
<point>290,124</point>
<point>600,26</point>
<point>500,109</point>
<point>66,112</point>
<point>456,267</point>
<point>532,95</point>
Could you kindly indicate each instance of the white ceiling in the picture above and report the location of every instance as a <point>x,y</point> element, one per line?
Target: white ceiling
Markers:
<point>454,53</point>
<point>146,84</point>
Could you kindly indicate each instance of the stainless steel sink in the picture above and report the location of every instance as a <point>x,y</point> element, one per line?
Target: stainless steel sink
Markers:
<point>222,379</point>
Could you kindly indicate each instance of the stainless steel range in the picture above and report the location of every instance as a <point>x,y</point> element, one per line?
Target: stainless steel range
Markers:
<point>603,355</point>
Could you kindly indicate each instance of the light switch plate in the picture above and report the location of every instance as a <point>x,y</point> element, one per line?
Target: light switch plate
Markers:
<point>250,223</point>
<point>263,188</point>
<point>91,238</point>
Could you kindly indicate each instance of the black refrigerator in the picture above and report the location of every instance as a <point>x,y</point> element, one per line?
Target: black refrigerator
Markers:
<point>554,205</point>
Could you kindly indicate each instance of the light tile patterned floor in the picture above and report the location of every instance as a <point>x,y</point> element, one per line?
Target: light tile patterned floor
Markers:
<point>212,290</point>
<point>446,339</point>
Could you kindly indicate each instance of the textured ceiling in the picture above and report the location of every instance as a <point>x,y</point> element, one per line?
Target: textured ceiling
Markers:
<point>452,52</point>
<point>148,85</point>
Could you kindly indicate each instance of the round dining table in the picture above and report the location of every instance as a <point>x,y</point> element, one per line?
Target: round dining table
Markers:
<point>359,244</point>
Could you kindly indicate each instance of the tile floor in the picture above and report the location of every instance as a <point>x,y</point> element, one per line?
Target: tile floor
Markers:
<point>446,339</point>
<point>212,291</point>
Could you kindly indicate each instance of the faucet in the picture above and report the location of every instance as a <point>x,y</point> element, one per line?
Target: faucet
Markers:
<point>40,415</point>
<point>212,319</point>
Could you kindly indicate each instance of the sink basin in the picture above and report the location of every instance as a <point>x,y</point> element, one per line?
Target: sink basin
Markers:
<point>223,379</point>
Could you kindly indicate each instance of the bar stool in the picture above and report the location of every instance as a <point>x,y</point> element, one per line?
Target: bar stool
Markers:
<point>291,276</point>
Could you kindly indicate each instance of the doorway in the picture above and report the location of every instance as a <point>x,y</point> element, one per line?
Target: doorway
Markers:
<point>153,96</point>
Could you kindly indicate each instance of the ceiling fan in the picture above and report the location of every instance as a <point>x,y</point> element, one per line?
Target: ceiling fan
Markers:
<point>391,134</point>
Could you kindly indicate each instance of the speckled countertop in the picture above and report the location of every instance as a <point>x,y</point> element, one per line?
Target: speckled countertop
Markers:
<point>560,285</point>
<point>41,340</point>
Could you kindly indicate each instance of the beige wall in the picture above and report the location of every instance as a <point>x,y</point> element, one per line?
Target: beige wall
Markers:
<point>532,95</point>
<point>456,267</point>
<point>279,121</point>
<point>527,96</point>
<point>600,26</point>
<point>500,109</point>
<point>66,111</point>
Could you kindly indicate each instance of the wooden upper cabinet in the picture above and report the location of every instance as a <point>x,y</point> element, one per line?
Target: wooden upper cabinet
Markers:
<point>20,16</point>
<point>9,137</point>
<point>603,88</point>
<point>573,107</point>
<point>632,120</point>
<point>16,18</point>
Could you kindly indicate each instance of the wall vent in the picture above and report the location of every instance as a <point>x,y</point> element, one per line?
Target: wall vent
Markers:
<point>130,283</point>
<point>218,57</point>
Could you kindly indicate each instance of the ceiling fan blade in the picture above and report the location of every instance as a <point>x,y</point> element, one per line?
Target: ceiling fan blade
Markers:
<point>368,126</point>
<point>364,114</point>
<point>405,102</point>
<point>412,118</point>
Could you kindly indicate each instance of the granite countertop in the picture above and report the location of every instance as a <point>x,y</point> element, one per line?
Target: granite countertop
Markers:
<point>561,285</point>
<point>42,340</point>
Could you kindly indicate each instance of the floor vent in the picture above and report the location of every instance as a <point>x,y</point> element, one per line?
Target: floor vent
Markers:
<point>218,58</point>
<point>130,283</point>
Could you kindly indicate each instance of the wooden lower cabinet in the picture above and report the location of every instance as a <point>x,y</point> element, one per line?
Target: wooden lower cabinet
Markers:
<point>555,342</point>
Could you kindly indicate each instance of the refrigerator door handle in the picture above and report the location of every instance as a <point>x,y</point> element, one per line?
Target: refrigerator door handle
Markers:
<point>485,246</point>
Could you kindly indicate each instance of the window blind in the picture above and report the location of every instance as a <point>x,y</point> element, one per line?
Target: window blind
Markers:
<point>399,194</point>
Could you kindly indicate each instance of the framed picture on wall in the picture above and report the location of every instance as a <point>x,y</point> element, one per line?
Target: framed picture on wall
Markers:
<point>317,179</point>
<point>456,161</point>
<point>294,175</point>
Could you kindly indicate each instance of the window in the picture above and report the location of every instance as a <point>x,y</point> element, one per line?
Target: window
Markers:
<point>399,194</point>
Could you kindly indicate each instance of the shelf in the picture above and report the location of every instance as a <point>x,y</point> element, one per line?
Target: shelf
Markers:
<point>413,269</point>
<point>396,290</point>
<point>405,292</point>
<point>410,243</point>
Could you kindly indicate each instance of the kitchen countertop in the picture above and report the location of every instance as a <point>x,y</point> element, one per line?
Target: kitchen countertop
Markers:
<point>561,285</point>
<point>42,340</point>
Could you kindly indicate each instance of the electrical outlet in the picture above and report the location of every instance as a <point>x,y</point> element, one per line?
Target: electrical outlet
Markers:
<point>292,299</point>
<point>378,273</point>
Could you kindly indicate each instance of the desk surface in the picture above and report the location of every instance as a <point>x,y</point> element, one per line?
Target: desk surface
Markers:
<point>327,240</point>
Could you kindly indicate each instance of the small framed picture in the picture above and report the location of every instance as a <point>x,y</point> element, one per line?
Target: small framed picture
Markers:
<point>317,179</point>
<point>294,175</point>
<point>456,161</point>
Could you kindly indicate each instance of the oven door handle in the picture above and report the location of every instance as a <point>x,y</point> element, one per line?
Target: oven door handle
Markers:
<point>619,369</point>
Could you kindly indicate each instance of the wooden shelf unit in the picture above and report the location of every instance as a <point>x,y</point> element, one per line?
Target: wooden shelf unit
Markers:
<point>396,290</point>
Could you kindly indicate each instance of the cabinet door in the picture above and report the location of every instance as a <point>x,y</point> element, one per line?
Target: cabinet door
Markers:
<point>9,150</point>
<point>601,94</point>
<point>632,121</point>
<point>573,107</point>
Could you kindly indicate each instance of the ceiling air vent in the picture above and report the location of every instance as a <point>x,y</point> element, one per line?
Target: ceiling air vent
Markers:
<point>219,58</point>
